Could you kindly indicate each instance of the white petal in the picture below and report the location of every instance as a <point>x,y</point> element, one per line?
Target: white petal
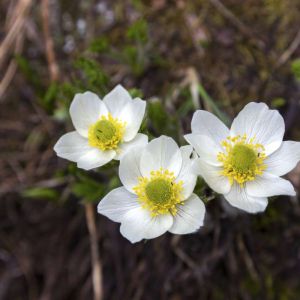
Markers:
<point>269,185</point>
<point>284,159</point>
<point>212,176</point>
<point>72,146</point>
<point>205,123</point>
<point>95,158</point>
<point>257,121</point>
<point>185,175</point>
<point>133,114</point>
<point>205,147</point>
<point>117,203</point>
<point>162,152</point>
<point>116,100</point>
<point>137,224</point>
<point>139,140</point>
<point>238,197</point>
<point>189,216</point>
<point>85,110</point>
<point>129,169</point>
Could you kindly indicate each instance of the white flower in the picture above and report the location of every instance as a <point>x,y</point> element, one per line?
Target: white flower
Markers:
<point>157,195</point>
<point>105,130</point>
<point>244,163</point>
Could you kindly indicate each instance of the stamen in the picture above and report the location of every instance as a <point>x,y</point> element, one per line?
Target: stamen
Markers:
<point>159,194</point>
<point>242,160</point>
<point>107,133</point>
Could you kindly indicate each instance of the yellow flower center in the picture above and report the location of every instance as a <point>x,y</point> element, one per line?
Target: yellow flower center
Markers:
<point>242,160</point>
<point>107,133</point>
<point>159,193</point>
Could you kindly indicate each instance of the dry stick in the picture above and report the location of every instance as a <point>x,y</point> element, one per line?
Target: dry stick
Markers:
<point>15,29</point>
<point>289,51</point>
<point>12,67</point>
<point>14,39</point>
<point>96,263</point>
<point>235,21</point>
<point>52,64</point>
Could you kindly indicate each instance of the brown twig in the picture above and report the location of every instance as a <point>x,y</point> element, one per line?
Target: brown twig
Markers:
<point>96,263</point>
<point>289,51</point>
<point>246,31</point>
<point>15,29</point>
<point>13,40</point>
<point>12,67</point>
<point>50,54</point>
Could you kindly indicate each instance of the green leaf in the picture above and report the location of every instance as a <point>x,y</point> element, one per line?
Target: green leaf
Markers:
<point>99,45</point>
<point>138,31</point>
<point>40,192</point>
<point>295,68</point>
<point>211,103</point>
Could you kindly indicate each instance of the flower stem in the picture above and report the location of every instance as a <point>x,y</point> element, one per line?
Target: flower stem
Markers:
<point>96,263</point>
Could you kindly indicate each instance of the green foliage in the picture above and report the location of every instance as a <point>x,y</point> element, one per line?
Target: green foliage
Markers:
<point>134,53</point>
<point>40,193</point>
<point>157,115</point>
<point>28,71</point>
<point>49,98</point>
<point>88,189</point>
<point>95,78</point>
<point>278,102</point>
<point>134,58</point>
<point>138,31</point>
<point>212,104</point>
<point>295,68</point>
<point>187,105</point>
<point>99,45</point>
<point>136,93</point>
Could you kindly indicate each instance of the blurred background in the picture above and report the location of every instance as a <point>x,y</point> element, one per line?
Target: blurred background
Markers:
<point>216,55</point>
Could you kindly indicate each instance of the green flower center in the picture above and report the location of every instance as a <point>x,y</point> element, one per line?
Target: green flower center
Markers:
<point>107,133</point>
<point>159,191</point>
<point>104,131</point>
<point>243,158</point>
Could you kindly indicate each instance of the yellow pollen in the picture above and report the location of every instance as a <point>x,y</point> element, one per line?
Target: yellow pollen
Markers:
<point>159,193</point>
<point>242,159</point>
<point>107,133</point>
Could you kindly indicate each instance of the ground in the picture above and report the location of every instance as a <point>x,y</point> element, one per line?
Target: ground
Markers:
<point>179,56</point>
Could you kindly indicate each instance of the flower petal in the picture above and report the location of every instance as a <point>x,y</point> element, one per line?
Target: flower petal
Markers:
<point>129,169</point>
<point>72,146</point>
<point>117,203</point>
<point>116,100</point>
<point>205,123</point>
<point>189,217</point>
<point>85,110</point>
<point>139,140</point>
<point>269,185</point>
<point>162,152</point>
<point>284,159</point>
<point>212,176</point>
<point>205,147</point>
<point>185,175</point>
<point>133,114</point>
<point>238,197</point>
<point>137,224</point>
<point>257,121</point>
<point>95,158</point>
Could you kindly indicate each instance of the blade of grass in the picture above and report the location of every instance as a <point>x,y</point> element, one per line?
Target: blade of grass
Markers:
<point>211,103</point>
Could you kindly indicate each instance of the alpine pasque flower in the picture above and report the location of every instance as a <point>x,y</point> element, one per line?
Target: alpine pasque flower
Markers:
<point>157,195</point>
<point>105,130</point>
<point>244,163</point>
